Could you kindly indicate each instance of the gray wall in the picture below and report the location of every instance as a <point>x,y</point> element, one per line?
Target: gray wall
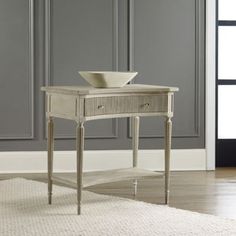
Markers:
<point>161,39</point>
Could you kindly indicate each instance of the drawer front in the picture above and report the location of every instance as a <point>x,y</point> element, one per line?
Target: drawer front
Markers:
<point>126,104</point>
<point>154,103</point>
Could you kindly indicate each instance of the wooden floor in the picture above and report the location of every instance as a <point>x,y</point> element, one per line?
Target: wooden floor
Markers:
<point>212,192</point>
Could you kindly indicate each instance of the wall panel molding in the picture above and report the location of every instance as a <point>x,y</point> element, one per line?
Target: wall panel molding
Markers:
<point>31,72</point>
<point>49,61</point>
<point>198,67</point>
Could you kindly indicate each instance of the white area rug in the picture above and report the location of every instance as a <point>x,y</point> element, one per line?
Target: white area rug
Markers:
<point>24,211</point>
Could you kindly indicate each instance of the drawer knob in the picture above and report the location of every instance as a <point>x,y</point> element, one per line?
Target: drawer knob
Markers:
<point>146,105</point>
<point>101,107</point>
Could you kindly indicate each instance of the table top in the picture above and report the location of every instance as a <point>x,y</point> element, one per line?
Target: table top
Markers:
<point>87,90</point>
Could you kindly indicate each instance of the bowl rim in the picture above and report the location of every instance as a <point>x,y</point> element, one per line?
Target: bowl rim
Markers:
<point>103,72</point>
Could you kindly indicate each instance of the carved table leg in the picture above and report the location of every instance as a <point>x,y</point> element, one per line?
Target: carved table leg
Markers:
<point>50,157</point>
<point>80,150</point>
<point>168,130</point>
<point>135,142</point>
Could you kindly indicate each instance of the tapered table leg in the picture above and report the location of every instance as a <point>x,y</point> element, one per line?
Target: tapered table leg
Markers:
<point>135,143</point>
<point>168,131</point>
<point>80,150</point>
<point>50,157</point>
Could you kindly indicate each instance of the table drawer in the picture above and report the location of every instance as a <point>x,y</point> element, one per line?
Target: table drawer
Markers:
<point>126,104</point>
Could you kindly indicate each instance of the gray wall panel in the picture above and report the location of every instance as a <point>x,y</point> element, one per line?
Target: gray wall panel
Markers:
<point>166,48</point>
<point>16,90</point>
<point>99,129</point>
<point>83,37</point>
<point>162,39</point>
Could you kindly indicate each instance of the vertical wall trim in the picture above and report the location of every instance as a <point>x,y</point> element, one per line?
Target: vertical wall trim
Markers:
<point>49,53</point>
<point>131,35</point>
<point>210,83</point>
<point>115,32</point>
<point>32,61</point>
<point>30,72</point>
<point>198,66</point>
<point>47,56</point>
<point>47,42</point>
<point>115,63</point>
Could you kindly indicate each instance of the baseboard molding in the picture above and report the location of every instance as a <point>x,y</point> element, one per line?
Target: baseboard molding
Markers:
<point>64,161</point>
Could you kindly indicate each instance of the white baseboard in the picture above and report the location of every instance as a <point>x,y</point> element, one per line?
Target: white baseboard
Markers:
<point>65,161</point>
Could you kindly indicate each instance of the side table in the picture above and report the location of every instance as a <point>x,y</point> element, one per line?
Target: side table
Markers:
<point>84,103</point>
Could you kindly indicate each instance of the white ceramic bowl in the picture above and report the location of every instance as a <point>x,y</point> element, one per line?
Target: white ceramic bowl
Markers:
<point>107,79</point>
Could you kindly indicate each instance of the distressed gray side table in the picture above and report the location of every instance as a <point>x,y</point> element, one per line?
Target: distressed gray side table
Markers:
<point>83,103</point>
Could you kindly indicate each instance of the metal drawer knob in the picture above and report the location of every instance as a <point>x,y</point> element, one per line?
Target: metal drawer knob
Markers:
<point>101,107</point>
